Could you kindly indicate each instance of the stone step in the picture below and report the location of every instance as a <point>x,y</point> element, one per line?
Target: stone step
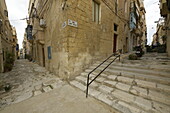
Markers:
<point>107,84</point>
<point>137,69</point>
<point>104,98</point>
<point>142,71</point>
<point>162,80</point>
<point>129,102</point>
<point>138,65</point>
<point>131,81</point>
<point>157,68</point>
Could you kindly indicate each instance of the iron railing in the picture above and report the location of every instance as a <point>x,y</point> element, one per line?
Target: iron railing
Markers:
<point>114,54</point>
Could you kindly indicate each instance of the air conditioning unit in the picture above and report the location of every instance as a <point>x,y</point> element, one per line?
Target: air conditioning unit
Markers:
<point>42,23</point>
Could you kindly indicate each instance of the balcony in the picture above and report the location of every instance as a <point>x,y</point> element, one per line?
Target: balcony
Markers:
<point>164,8</point>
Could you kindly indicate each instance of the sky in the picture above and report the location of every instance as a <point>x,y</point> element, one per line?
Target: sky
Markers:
<point>18,9</point>
<point>152,15</point>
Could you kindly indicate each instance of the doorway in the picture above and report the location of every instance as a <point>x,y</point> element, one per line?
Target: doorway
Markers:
<point>127,45</point>
<point>43,55</point>
<point>114,43</point>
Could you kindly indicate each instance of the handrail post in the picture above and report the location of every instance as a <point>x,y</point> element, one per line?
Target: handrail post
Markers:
<point>119,58</point>
<point>87,86</point>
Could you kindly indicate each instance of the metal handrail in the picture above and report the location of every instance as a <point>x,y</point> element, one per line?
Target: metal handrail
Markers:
<point>88,83</point>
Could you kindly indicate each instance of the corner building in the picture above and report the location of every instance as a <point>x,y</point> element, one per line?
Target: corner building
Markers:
<point>69,35</point>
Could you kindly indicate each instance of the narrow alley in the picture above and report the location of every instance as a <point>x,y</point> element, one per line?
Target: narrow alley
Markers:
<point>25,80</point>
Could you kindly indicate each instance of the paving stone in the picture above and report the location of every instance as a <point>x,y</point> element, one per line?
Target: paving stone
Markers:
<point>84,74</point>
<point>100,79</point>
<point>158,96</point>
<point>145,104</point>
<point>47,83</point>
<point>93,92</point>
<point>94,84</point>
<point>78,85</point>
<point>123,86</point>
<point>38,87</point>
<point>139,91</point>
<point>111,83</point>
<point>145,84</point>
<point>37,93</point>
<point>88,70</point>
<point>81,78</point>
<point>104,75</point>
<point>161,107</point>
<point>123,95</point>
<point>112,77</point>
<point>125,79</point>
<point>130,107</point>
<point>55,85</point>
<point>104,98</point>
<point>120,108</point>
<point>105,89</point>
<point>46,89</point>
<point>164,87</point>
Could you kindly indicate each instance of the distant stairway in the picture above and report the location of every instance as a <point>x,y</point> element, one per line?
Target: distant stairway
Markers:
<point>130,86</point>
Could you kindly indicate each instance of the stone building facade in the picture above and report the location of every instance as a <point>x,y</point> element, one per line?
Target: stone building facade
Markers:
<point>160,33</point>
<point>8,37</point>
<point>69,35</point>
<point>26,47</point>
<point>165,12</point>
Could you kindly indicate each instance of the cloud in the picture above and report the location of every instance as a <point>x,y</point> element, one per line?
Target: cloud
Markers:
<point>18,9</point>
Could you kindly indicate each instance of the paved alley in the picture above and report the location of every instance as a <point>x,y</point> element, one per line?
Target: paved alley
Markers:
<point>28,80</point>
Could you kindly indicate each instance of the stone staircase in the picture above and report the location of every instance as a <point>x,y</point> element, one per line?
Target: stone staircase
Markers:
<point>141,86</point>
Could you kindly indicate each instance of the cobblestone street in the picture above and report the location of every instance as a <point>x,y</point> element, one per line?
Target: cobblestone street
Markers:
<point>26,80</point>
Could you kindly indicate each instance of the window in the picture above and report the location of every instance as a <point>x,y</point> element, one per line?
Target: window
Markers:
<point>116,6</point>
<point>6,13</point>
<point>96,11</point>
<point>115,27</point>
<point>49,52</point>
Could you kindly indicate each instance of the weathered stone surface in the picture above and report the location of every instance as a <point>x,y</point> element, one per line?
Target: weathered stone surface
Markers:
<point>37,93</point>
<point>145,104</point>
<point>145,84</point>
<point>122,86</point>
<point>104,98</point>
<point>164,87</point>
<point>112,77</point>
<point>161,107</point>
<point>105,89</point>
<point>46,89</point>
<point>123,96</point>
<point>125,79</point>
<point>93,92</point>
<point>81,78</point>
<point>94,84</point>
<point>100,79</point>
<point>120,107</point>
<point>139,91</point>
<point>55,85</point>
<point>47,83</point>
<point>78,85</point>
<point>130,107</point>
<point>111,83</point>
<point>38,87</point>
<point>158,96</point>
